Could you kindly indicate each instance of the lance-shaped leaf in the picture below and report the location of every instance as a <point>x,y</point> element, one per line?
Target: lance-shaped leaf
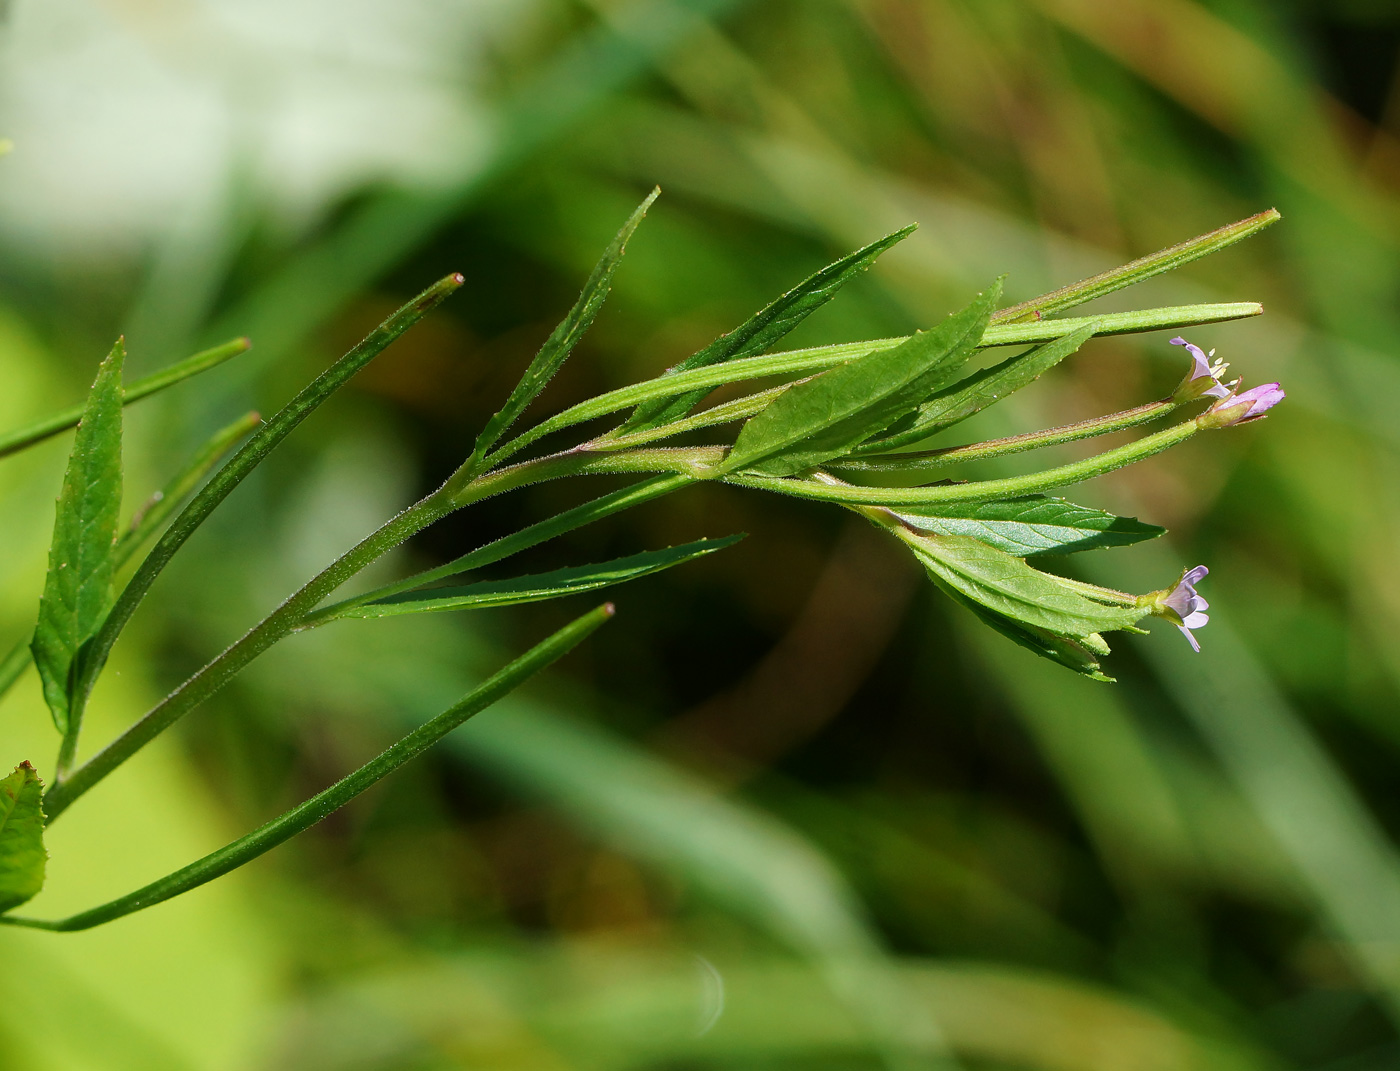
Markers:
<point>22,855</point>
<point>1035,524</point>
<point>78,588</point>
<point>763,329</point>
<point>979,390</point>
<point>561,342</point>
<point>828,415</point>
<point>552,585</point>
<point>1007,586</point>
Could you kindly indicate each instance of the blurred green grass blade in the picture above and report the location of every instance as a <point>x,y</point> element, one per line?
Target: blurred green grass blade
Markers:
<point>14,441</point>
<point>1305,800</point>
<point>237,468</point>
<point>506,546</point>
<point>819,358</point>
<point>562,340</point>
<point>12,668</point>
<point>536,588</point>
<point>305,815</point>
<point>1136,271</point>
<point>981,389</point>
<point>1006,585</point>
<point>729,851</point>
<point>1036,524</point>
<point>78,587</point>
<point>825,417</point>
<point>158,508</point>
<point>762,331</point>
<point>22,855</point>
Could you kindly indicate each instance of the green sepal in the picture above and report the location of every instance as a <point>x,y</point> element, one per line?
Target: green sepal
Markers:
<point>980,390</point>
<point>78,588</point>
<point>22,855</point>
<point>763,330</point>
<point>541,586</point>
<point>826,416</point>
<point>1033,525</point>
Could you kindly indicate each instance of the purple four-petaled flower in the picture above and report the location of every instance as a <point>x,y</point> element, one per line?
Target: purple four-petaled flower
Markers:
<point>1189,607</point>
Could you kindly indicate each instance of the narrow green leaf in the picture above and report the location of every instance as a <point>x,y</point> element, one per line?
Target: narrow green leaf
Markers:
<point>763,330</point>
<point>552,585</point>
<point>805,362</point>
<point>158,508</point>
<point>14,441</point>
<point>1034,525</point>
<point>307,814</point>
<point>981,389</point>
<point>22,855</point>
<point>828,415</point>
<point>1136,271</point>
<point>1006,585</point>
<point>561,342</point>
<point>78,588</point>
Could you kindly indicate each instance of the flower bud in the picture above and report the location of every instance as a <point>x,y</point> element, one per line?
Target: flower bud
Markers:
<point>1238,408</point>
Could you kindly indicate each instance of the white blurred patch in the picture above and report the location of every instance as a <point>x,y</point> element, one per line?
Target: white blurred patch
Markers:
<point>711,1004</point>
<point>123,112</point>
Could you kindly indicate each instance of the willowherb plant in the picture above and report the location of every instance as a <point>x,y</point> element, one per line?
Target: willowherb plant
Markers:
<point>848,415</point>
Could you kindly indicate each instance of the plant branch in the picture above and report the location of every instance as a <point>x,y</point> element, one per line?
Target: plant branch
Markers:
<point>288,825</point>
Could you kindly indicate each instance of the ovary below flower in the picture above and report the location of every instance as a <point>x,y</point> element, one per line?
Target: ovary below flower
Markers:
<point>1182,605</point>
<point>1204,378</point>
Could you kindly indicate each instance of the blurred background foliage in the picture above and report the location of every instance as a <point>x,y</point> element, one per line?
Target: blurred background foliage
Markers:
<point>789,809</point>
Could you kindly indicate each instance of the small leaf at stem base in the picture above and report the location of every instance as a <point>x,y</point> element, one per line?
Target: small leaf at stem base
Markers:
<point>22,855</point>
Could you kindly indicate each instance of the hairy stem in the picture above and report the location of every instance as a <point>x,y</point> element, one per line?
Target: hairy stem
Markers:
<point>976,490</point>
<point>1011,444</point>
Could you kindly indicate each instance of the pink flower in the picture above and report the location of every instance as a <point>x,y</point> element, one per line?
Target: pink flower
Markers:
<point>1204,378</point>
<point>1185,605</point>
<point>1247,405</point>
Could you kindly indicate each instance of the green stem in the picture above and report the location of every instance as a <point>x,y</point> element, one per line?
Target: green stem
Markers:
<point>977,490</point>
<point>1136,271</point>
<point>728,412</point>
<point>238,467</point>
<point>917,461</point>
<point>14,441</point>
<point>502,548</point>
<point>299,818</point>
<point>213,676</point>
<point>819,358</point>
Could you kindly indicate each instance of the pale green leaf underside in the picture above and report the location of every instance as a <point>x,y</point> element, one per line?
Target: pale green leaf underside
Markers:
<point>1008,586</point>
<point>1067,652</point>
<point>22,855</point>
<point>78,588</point>
<point>1033,525</point>
<point>552,585</point>
<point>826,416</point>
